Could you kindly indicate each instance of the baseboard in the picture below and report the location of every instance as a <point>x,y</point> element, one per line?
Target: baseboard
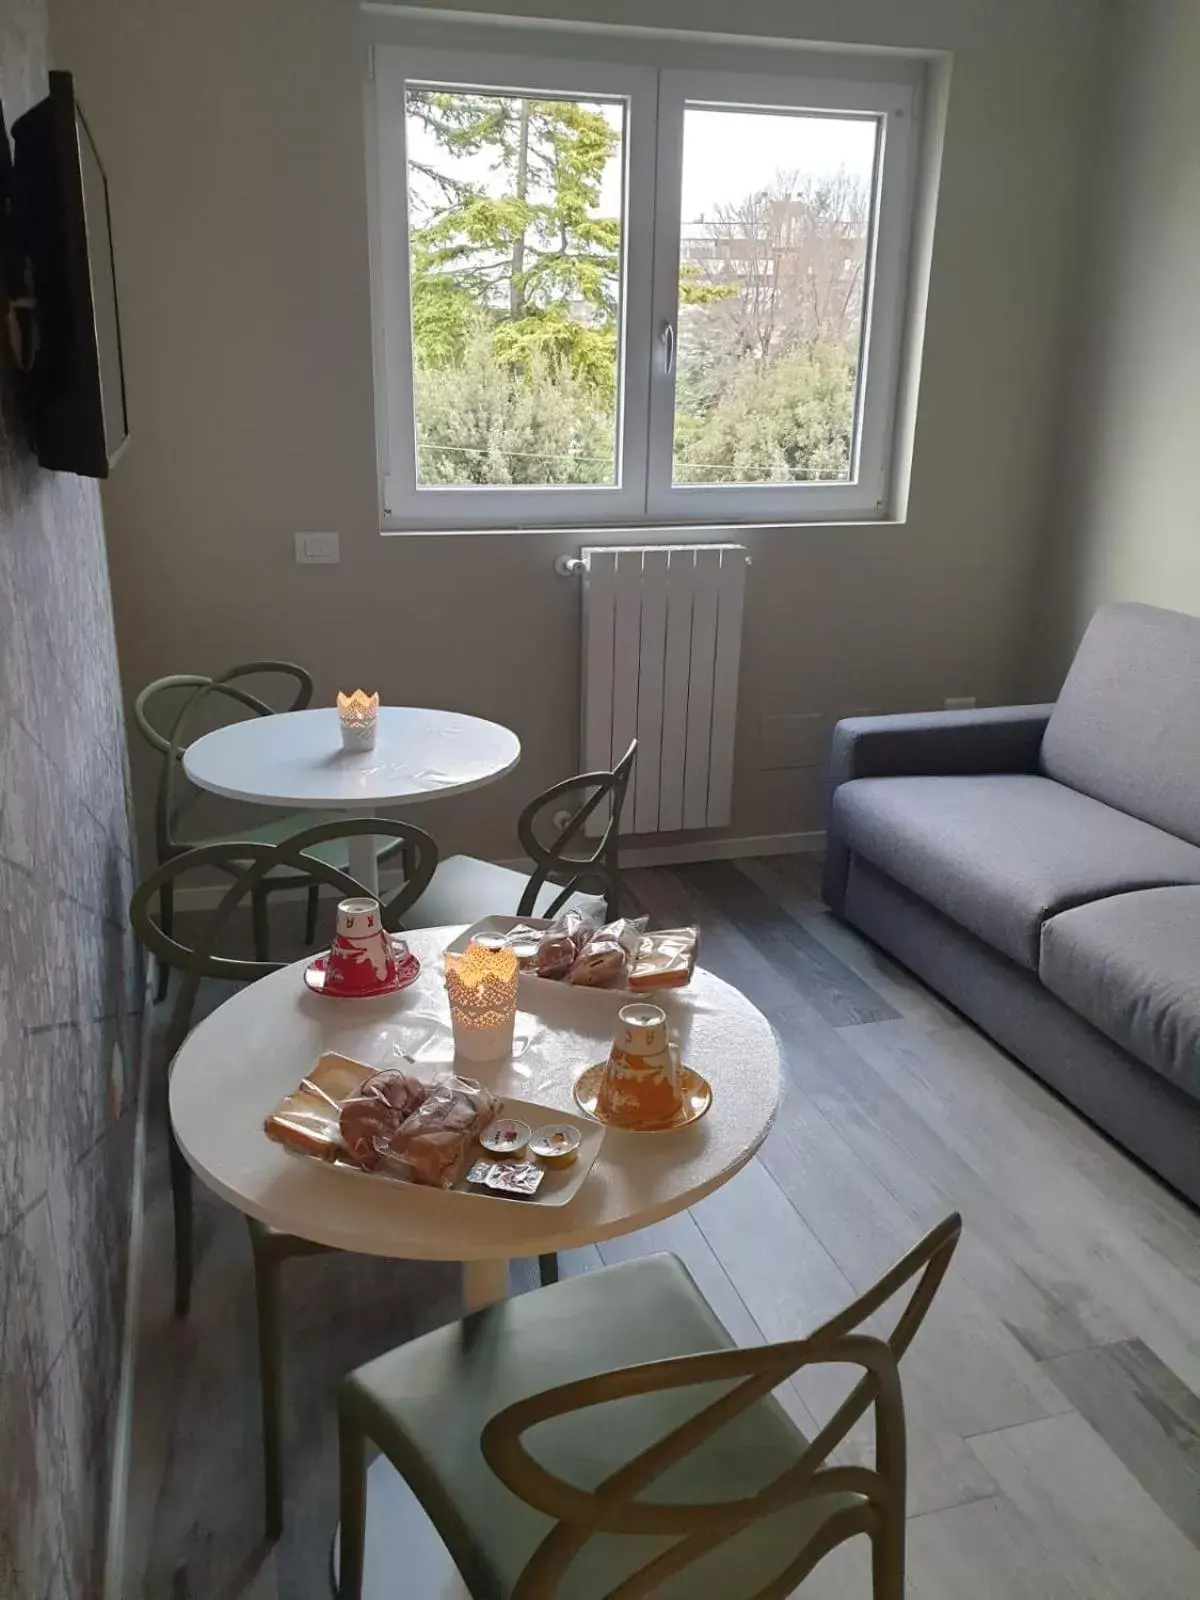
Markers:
<point>118,1495</point>
<point>646,855</point>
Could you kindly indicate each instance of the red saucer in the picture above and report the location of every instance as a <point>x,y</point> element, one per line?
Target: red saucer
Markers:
<point>314,977</point>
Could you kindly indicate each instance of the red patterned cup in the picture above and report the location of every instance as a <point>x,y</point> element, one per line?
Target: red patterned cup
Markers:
<point>362,959</point>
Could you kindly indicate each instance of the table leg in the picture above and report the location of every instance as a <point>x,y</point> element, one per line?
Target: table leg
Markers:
<point>363,864</point>
<point>484,1282</point>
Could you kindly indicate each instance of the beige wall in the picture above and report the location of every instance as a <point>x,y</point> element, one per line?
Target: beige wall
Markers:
<point>1128,523</point>
<point>232,132</point>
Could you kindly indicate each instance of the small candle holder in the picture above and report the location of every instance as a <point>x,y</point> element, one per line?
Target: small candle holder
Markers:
<point>359,717</point>
<point>482,985</point>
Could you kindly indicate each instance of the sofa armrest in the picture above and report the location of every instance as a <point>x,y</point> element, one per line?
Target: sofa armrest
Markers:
<point>925,744</point>
<point>936,743</point>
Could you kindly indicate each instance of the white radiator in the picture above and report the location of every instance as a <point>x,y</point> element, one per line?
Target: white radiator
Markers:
<point>662,639</point>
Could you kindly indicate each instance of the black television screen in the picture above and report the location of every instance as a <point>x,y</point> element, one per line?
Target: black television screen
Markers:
<point>76,381</point>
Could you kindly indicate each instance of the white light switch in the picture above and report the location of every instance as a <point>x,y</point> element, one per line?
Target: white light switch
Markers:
<point>317,548</point>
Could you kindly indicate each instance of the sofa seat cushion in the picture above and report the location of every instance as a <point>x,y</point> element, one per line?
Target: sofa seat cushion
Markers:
<point>1130,965</point>
<point>1002,852</point>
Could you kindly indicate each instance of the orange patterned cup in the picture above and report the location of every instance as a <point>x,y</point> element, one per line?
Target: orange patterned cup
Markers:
<point>640,1085</point>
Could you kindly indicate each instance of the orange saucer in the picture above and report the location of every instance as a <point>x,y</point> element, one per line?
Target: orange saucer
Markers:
<point>697,1097</point>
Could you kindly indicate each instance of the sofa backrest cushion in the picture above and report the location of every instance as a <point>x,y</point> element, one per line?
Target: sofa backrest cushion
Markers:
<point>1126,728</point>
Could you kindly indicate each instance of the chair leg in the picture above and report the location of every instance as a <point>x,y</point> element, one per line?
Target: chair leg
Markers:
<point>262,929</point>
<point>352,1532</point>
<point>181,1201</point>
<point>266,1296</point>
<point>548,1270</point>
<point>312,906</point>
<point>887,1557</point>
<point>166,921</point>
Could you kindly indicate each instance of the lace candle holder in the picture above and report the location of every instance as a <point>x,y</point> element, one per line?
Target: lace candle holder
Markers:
<point>482,986</point>
<point>358,714</point>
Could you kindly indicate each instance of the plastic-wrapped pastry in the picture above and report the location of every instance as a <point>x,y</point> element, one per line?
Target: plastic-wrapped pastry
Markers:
<point>429,1146</point>
<point>606,958</point>
<point>579,926</point>
<point>556,955</point>
<point>374,1115</point>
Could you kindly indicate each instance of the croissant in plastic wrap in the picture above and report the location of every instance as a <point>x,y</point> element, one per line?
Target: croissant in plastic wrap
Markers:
<point>429,1146</point>
<point>369,1119</point>
<point>390,1120</point>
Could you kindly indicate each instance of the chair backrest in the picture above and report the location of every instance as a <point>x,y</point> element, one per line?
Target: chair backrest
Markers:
<point>248,863</point>
<point>597,871</point>
<point>613,1506</point>
<point>169,734</point>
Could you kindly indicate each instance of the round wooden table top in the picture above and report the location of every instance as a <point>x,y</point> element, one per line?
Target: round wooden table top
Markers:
<point>296,759</point>
<point>241,1060</point>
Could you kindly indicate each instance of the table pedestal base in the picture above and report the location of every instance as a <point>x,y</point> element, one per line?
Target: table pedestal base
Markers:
<point>362,863</point>
<point>484,1282</point>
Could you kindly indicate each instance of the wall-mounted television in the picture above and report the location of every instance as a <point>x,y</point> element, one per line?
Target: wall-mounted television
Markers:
<point>74,379</point>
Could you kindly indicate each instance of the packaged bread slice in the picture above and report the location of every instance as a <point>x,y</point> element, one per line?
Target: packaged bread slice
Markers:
<point>665,960</point>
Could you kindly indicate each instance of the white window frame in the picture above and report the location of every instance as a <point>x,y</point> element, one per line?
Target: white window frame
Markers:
<point>865,494</point>
<point>644,495</point>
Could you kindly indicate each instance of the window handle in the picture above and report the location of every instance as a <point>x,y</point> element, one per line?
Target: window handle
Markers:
<point>668,344</point>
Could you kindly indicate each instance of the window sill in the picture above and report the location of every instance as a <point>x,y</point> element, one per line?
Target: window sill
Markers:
<point>653,533</point>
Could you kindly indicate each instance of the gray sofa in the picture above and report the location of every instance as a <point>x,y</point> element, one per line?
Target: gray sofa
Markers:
<point>1039,866</point>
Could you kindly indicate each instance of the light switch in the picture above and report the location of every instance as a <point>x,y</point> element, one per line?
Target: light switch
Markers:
<point>317,548</point>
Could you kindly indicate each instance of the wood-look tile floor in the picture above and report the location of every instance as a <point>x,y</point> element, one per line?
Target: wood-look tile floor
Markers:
<point>1052,1394</point>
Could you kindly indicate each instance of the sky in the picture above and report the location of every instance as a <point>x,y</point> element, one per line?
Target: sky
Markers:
<point>730,154</point>
<point>727,154</point>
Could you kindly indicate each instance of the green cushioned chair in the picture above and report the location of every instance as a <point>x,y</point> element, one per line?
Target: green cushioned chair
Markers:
<point>170,733</point>
<point>249,863</point>
<point>604,1439</point>
<point>465,889</point>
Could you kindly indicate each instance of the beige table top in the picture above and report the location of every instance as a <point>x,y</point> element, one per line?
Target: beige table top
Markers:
<point>239,1062</point>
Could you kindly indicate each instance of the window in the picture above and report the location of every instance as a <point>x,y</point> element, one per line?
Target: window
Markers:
<point>614,292</point>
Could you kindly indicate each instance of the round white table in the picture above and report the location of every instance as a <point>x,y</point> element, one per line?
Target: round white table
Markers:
<point>295,759</point>
<point>243,1058</point>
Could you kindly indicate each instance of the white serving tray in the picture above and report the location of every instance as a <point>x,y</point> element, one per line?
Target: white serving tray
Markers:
<point>503,925</point>
<point>560,1184</point>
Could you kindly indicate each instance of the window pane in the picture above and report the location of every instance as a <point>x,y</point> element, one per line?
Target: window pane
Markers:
<point>773,253</point>
<point>515,219</point>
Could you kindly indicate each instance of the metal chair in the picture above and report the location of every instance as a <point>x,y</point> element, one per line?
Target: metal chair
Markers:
<point>745,1505</point>
<point>249,862</point>
<point>170,736</point>
<point>465,889</point>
